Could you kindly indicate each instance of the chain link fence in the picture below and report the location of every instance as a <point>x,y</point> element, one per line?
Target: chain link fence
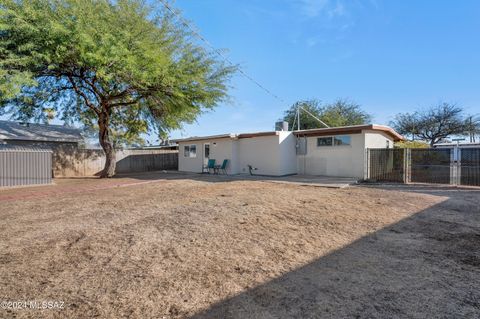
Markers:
<point>470,166</point>
<point>386,165</point>
<point>456,166</point>
<point>433,166</point>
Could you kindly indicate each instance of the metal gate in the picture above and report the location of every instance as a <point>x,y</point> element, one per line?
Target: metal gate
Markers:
<point>454,166</point>
<point>432,166</point>
<point>469,166</point>
<point>386,165</point>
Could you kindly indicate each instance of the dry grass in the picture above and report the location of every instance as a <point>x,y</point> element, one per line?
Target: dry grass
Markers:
<point>242,249</point>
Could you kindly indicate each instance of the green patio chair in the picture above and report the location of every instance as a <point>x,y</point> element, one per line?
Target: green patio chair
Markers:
<point>223,167</point>
<point>210,165</point>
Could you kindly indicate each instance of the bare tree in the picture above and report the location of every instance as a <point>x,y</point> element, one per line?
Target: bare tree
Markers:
<point>433,124</point>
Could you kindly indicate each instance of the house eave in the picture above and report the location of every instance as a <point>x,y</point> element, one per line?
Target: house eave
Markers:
<point>354,129</point>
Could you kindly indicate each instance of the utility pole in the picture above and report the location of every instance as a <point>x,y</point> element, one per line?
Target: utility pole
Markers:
<point>298,117</point>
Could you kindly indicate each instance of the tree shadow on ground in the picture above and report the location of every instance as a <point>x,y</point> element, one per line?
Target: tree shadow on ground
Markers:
<point>425,266</point>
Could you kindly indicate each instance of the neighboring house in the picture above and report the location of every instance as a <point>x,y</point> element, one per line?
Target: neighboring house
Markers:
<point>460,145</point>
<point>338,151</point>
<point>54,137</point>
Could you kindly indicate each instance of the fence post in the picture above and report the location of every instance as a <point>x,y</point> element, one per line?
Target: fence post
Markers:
<point>408,165</point>
<point>366,164</point>
<point>459,166</point>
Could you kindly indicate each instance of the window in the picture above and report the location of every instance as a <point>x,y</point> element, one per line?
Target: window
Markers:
<point>190,150</point>
<point>325,141</point>
<point>388,144</point>
<point>342,140</point>
<point>339,140</point>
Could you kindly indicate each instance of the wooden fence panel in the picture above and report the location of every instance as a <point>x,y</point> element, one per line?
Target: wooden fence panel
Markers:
<point>84,162</point>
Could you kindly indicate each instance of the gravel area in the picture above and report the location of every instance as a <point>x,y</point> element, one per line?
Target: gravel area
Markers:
<point>207,248</point>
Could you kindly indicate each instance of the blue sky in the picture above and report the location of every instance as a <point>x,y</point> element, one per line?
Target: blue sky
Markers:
<point>389,56</point>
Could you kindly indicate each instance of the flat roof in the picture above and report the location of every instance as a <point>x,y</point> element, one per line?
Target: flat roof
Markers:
<point>230,135</point>
<point>353,129</point>
<point>199,138</point>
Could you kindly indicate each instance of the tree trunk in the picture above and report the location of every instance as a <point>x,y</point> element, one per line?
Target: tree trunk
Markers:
<point>107,145</point>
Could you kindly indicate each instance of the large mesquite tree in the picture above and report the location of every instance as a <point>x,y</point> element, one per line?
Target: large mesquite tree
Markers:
<point>116,65</point>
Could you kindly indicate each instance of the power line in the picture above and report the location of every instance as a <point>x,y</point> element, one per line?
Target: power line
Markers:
<point>220,53</point>
<point>224,57</point>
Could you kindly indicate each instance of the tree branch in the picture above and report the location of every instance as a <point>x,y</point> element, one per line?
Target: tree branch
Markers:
<point>124,103</point>
<point>83,95</point>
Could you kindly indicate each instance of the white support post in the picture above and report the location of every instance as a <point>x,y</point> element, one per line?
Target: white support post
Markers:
<point>408,166</point>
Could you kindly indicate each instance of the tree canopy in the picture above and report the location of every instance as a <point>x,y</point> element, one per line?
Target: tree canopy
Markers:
<point>433,124</point>
<point>118,66</point>
<point>341,112</point>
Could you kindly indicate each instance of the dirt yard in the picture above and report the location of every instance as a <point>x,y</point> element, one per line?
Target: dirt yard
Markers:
<point>195,248</point>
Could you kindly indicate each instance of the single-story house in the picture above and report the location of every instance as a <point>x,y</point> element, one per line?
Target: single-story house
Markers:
<point>338,151</point>
<point>39,135</point>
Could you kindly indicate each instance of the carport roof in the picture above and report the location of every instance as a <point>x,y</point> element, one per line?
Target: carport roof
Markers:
<point>10,130</point>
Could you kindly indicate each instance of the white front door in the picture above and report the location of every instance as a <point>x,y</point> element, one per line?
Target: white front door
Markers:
<point>206,153</point>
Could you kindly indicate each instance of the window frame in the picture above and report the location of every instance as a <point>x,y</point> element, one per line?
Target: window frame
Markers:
<point>333,138</point>
<point>325,137</point>
<point>188,148</point>
<point>340,136</point>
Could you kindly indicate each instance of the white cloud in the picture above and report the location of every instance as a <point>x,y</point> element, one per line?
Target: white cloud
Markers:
<point>312,8</point>
<point>337,10</point>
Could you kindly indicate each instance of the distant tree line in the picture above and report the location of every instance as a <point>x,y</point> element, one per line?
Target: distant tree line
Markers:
<point>422,128</point>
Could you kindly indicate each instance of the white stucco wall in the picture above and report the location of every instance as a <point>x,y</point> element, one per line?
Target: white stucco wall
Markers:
<point>190,164</point>
<point>276,155</point>
<point>220,149</point>
<point>262,152</point>
<point>341,161</point>
<point>271,155</point>
<point>376,139</point>
<point>288,156</point>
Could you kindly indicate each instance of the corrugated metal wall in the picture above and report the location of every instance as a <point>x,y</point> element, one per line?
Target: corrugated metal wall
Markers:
<point>24,166</point>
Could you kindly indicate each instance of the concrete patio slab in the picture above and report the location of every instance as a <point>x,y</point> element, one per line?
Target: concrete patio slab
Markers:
<point>305,180</point>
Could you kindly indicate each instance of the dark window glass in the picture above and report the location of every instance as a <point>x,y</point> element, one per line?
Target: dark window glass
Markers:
<point>325,141</point>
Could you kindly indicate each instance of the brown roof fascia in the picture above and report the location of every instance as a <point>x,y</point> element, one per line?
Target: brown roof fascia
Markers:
<point>250,135</point>
<point>350,130</point>
<point>328,133</point>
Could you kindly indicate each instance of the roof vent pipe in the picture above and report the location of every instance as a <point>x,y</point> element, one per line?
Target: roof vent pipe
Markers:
<point>281,126</point>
